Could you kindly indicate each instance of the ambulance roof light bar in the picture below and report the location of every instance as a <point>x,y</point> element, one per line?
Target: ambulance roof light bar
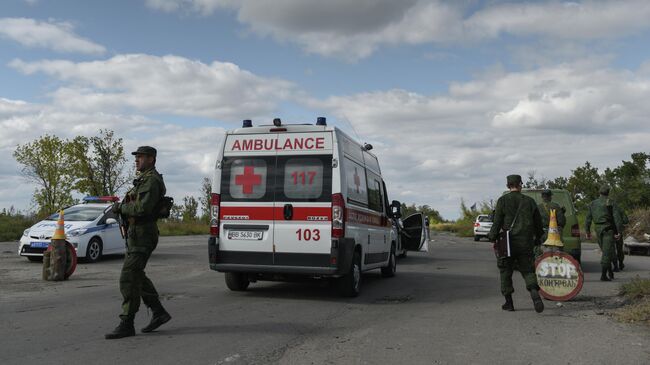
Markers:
<point>321,121</point>
<point>100,199</point>
<point>247,123</point>
<point>277,122</point>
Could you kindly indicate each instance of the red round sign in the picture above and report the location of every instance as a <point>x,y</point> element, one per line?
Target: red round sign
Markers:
<point>559,276</point>
<point>71,259</point>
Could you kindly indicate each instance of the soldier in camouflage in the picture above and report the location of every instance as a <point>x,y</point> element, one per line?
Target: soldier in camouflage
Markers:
<point>140,208</point>
<point>608,224</point>
<point>620,255</point>
<point>518,214</point>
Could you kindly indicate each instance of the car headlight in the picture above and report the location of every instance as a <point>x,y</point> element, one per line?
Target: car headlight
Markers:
<point>77,232</point>
<point>26,232</point>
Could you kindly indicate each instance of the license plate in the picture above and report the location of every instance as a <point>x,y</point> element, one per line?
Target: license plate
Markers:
<point>245,235</point>
<point>39,244</point>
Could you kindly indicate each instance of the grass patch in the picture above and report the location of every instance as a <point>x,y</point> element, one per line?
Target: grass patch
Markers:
<point>176,228</point>
<point>12,226</point>
<point>461,228</point>
<point>638,291</point>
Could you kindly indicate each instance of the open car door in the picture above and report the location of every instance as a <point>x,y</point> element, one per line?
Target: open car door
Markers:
<point>412,234</point>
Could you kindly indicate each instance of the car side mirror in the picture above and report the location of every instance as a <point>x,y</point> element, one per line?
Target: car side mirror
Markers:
<point>396,209</point>
<point>111,221</point>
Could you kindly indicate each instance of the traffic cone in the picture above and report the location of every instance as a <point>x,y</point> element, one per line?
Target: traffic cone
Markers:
<point>553,239</point>
<point>58,254</point>
<point>59,233</point>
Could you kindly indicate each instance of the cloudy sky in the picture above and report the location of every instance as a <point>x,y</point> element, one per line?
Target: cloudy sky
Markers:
<point>454,95</point>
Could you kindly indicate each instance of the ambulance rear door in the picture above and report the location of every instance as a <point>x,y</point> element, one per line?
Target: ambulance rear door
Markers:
<point>412,235</point>
<point>247,199</point>
<point>303,199</point>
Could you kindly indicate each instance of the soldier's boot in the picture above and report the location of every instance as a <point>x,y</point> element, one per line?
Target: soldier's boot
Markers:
<point>160,317</point>
<point>603,275</point>
<point>610,273</point>
<point>621,265</point>
<point>537,301</point>
<point>124,329</point>
<point>508,305</point>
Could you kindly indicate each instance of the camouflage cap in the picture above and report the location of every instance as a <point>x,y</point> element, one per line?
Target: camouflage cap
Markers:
<point>513,179</point>
<point>547,192</point>
<point>145,150</point>
<point>604,190</point>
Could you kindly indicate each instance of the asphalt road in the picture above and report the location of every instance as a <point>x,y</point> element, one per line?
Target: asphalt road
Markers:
<point>443,307</point>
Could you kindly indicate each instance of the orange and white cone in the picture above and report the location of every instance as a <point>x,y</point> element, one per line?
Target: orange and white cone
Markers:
<point>59,233</point>
<point>554,238</point>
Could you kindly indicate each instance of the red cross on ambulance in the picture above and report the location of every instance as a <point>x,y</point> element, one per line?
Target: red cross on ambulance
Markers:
<point>248,180</point>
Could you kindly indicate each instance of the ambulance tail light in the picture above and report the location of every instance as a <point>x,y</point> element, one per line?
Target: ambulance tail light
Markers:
<point>575,230</point>
<point>338,216</point>
<point>477,224</point>
<point>215,202</point>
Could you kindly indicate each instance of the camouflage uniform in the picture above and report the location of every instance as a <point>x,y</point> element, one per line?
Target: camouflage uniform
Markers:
<point>618,264</point>
<point>139,208</point>
<point>607,220</point>
<point>525,234</point>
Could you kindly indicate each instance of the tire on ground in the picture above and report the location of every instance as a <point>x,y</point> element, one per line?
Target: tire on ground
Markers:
<point>236,281</point>
<point>349,285</point>
<point>389,270</point>
<point>94,250</point>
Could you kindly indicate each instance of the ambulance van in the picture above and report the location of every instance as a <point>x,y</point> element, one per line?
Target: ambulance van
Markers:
<point>292,201</point>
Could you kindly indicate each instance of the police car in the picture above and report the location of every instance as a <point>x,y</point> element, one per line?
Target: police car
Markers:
<point>303,200</point>
<point>91,227</point>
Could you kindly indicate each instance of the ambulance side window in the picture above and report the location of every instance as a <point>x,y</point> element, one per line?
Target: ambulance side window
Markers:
<point>247,178</point>
<point>374,193</point>
<point>355,176</point>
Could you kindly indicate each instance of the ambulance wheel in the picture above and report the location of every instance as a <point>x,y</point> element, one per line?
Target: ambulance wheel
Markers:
<point>236,281</point>
<point>35,258</point>
<point>93,250</point>
<point>390,269</point>
<point>477,238</point>
<point>349,285</point>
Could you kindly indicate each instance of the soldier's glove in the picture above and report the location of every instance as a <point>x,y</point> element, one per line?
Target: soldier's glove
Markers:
<point>116,207</point>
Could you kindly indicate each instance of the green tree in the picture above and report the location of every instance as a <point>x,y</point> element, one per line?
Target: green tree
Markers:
<point>584,184</point>
<point>190,208</point>
<point>99,163</point>
<point>47,163</point>
<point>629,182</point>
<point>533,183</point>
<point>557,183</point>
<point>205,198</point>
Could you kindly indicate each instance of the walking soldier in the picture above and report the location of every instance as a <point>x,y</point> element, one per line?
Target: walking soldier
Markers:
<point>140,208</point>
<point>608,224</point>
<point>519,216</point>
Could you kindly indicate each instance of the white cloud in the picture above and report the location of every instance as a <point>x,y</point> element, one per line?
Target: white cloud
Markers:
<point>169,84</point>
<point>186,154</point>
<point>441,148</point>
<point>57,36</point>
<point>355,29</point>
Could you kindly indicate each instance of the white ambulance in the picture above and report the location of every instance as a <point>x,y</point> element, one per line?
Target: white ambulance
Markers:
<point>302,201</point>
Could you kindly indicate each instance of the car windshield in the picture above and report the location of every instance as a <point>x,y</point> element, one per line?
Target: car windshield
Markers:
<point>484,218</point>
<point>78,213</point>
